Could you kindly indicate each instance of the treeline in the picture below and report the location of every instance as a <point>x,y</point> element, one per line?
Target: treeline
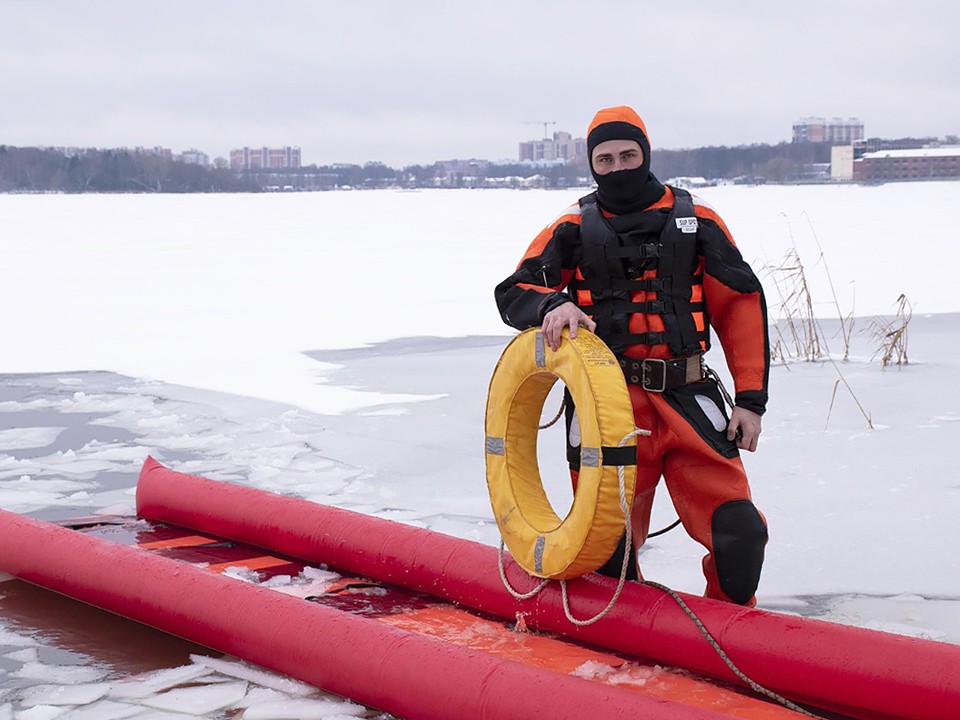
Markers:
<point>92,170</point>
<point>97,170</point>
<point>775,163</point>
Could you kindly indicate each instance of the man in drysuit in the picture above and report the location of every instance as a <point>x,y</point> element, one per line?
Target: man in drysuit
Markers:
<point>650,269</point>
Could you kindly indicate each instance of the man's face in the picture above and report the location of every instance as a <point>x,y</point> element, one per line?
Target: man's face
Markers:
<point>613,155</point>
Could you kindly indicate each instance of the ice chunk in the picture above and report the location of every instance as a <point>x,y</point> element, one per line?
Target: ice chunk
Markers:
<point>103,710</point>
<point>239,572</point>
<point>199,700</point>
<point>83,694</point>
<point>26,655</point>
<point>28,437</point>
<point>11,639</point>
<point>138,686</point>
<point>41,712</point>
<point>256,674</point>
<point>312,573</point>
<point>303,709</point>
<point>259,695</point>
<point>59,674</point>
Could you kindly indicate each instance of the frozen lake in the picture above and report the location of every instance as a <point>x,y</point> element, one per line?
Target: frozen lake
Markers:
<point>338,347</point>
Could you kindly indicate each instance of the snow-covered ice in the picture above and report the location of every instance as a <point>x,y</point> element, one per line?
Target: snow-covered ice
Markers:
<point>338,346</point>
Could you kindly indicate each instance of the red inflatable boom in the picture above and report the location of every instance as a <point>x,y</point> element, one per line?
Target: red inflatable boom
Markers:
<point>861,673</point>
<point>858,672</point>
<point>409,675</point>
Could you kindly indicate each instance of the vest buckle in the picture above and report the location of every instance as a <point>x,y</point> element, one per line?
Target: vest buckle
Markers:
<point>653,375</point>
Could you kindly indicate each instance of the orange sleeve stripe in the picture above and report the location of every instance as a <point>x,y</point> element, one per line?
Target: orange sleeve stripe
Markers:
<point>703,210</point>
<point>571,214</point>
<point>535,288</point>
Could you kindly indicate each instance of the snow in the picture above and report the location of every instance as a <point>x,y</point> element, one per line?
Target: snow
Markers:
<point>338,347</point>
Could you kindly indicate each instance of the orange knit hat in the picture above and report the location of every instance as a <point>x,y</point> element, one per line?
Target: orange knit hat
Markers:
<point>617,123</point>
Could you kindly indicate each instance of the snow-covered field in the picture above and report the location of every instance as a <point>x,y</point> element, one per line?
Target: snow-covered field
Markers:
<point>338,346</point>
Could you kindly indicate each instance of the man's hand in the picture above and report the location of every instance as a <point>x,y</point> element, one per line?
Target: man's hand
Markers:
<point>748,423</point>
<point>566,315</point>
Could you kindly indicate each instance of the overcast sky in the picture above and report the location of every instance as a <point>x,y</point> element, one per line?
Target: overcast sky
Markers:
<point>407,82</point>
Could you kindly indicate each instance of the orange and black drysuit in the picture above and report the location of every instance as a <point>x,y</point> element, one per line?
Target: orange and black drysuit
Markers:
<point>655,274</point>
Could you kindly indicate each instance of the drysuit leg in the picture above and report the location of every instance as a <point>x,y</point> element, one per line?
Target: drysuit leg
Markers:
<point>709,488</point>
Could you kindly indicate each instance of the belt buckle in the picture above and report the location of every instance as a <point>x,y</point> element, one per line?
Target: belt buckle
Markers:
<point>653,377</point>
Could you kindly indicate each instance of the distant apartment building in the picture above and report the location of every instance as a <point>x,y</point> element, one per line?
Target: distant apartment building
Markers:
<point>195,157</point>
<point>264,158</point>
<point>460,173</point>
<point>155,151</point>
<point>916,164</point>
<point>563,147</point>
<point>836,131</point>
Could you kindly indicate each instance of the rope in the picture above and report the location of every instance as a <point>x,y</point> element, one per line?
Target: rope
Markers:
<point>752,684</point>
<point>667,529</point>
<point>749,682</point>
<point>626,555</point>
<point>506,583</point>
<point>563,583</point>
<point>711,373</point>
<point>563,404</point>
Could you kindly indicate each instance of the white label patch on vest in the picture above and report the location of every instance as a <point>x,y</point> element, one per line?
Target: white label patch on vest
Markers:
<point>687,224</point>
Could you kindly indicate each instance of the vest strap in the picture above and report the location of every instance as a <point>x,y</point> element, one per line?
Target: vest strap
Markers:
<point>647,338</point>
<point>644,251</point>
<point>646,285</point>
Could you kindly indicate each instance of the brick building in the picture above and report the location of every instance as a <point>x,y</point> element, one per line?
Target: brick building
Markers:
<point>246,158</point>
<point>918,164</point>
<point>836,131</point>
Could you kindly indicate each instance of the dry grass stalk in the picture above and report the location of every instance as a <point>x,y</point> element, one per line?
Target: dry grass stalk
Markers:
<point>846,322</point>
<point>799,331</point>
<point>866,415</point>
<point>799,334</point>
<point>891,335</point>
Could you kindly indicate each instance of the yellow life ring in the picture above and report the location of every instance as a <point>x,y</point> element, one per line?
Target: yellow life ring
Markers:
<point>538,539</point>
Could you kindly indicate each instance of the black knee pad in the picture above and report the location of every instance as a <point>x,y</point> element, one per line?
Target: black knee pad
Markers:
<point>739,537</point>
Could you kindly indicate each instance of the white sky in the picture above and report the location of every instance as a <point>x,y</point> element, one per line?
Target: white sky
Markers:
<point>415,82</point>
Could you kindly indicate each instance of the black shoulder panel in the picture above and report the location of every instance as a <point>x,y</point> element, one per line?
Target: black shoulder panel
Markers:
<point>723,260</point>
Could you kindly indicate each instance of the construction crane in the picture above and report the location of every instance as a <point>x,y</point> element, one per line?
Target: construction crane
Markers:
<point>541,122</point>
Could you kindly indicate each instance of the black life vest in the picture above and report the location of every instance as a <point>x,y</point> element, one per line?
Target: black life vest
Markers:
<point>605,272</point>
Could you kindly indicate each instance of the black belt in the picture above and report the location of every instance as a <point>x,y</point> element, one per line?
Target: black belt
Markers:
<point>656,375</point>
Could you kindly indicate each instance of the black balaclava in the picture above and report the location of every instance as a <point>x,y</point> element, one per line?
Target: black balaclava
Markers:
<point>623,191</point>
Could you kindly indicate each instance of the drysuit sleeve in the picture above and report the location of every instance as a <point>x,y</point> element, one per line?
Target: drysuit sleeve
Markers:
<point>536,287</point>
<point>737,310</point>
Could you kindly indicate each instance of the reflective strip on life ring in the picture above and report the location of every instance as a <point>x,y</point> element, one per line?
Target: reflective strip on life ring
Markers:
<point>542,543</point>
